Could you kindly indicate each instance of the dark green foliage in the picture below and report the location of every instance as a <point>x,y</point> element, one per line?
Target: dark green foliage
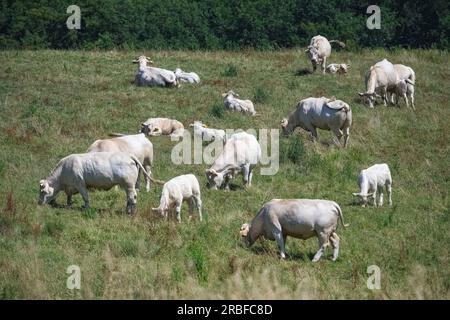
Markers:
<point>261,95</point>
<point>230,71</point>
<point>217,110</point>
<point>222,24</point>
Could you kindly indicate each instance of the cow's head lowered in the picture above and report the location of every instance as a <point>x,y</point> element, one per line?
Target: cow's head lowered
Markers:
<point>220,179</point>
<point>287,127</point>
<point>364,197</point>
<point>46,193</point>
<point>369,98</point>
<point>245,234</point>
<point>313,55</point>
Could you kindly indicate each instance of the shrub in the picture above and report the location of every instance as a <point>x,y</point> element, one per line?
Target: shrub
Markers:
<point>217,110</point>
<point>230,71</point>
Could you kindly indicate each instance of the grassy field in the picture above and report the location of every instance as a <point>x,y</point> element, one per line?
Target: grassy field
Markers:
<point>54,103</point>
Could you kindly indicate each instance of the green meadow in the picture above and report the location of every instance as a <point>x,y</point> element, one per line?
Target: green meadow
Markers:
<point>54,103</point>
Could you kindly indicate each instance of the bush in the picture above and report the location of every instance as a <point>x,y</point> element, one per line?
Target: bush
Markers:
<point>261,95</point>
<point>217,111</point>
<point>230,71</point>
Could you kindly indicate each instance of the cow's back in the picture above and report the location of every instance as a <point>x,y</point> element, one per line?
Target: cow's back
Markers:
<point>322,45</point>
<point>103,170</point>
<point>300,218</point>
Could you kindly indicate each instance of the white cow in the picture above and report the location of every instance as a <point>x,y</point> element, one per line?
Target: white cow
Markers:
<point>298,218</point>
<point>189,77</point>
<point>403,88</point>
<point>379,79</point>
<point>373,180</point>
<point>241,153</point>
<point>231,102</point>
<point>185,187</point>
<point>319,50</point>
<point>339,68</point>
<point>151,76</point>
<point>322,113</point>
<point>135,144</point>
<point>405,85</point>
<point>97,170</point>
<point>162,126</point>
<point>207,134</point>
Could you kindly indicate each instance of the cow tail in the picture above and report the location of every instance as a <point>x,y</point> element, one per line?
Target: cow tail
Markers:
<point>341,217</point>
<point>340,43</point>
<point>139,164</point>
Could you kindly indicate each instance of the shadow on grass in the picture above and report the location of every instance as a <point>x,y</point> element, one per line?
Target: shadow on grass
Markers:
<point>303,72</point>
<point>305,257</point>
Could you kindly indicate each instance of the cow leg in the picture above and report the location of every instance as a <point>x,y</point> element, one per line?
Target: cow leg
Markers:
<point>324,62</point>
<point>198,203</point>
<point>323,244</point>
<point>385,100</point>
<point>250,176</point>
<point>313,132</point>
<point>389,192</point>
<point>334,239</point>
<point>69,200</point>
<point>191,207</point>
<point>346,136</point>
<point>278,235</point>
<point>147,180</point>
<point>178,211</point>
<point>338,133</point>
<point>411,97</point>
<point>131,200</point>
<point>245,174</point>
<point>84,194</point>
<point>406,100</point>
<point>380,202</point>
<point>375,198</point>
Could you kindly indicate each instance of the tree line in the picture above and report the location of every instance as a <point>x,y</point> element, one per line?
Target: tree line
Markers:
<point>221,24</point>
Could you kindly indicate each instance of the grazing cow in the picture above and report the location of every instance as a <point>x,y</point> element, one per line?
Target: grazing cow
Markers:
<point>339,68</point>
<point>185,187</point>
<point>189,77</point>
<point>298,218</point>
<point>231,102</point>
<point>151,76</point>
<point>373,180</point>
<point>135,144</point>
<point>405,86</point>
<point>322,113</point>
<point>162,126</point>
<point>379,79</point>
<point>207,134</point>
<point>240,154</point>
<point>319,50</point>
<point>97,170</point>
